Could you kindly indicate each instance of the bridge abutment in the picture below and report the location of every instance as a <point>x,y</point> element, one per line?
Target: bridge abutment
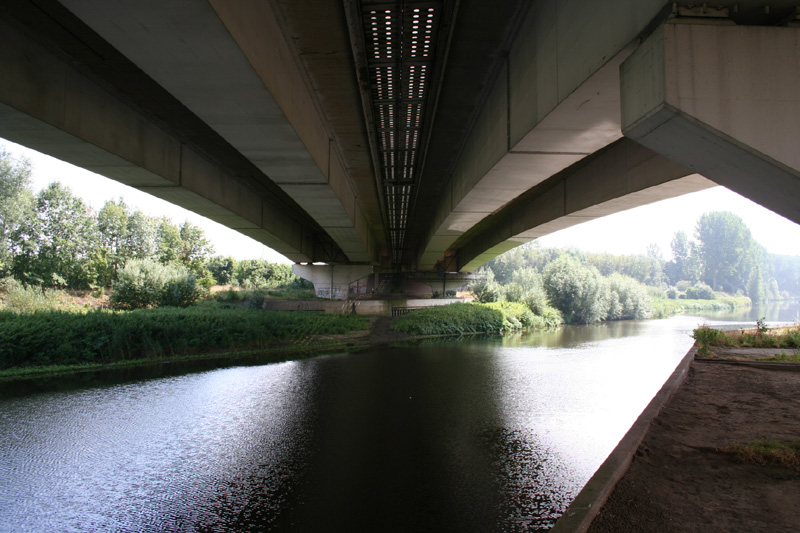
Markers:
<point>332,281</point>
<point>721,100</point>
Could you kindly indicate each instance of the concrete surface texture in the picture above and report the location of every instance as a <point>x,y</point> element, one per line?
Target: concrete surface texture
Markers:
<point>257,114</point>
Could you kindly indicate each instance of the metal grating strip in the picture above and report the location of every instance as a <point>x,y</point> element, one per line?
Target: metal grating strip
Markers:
<point>400,52</point>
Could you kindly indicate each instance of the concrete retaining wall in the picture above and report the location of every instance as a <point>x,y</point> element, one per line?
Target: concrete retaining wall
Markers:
<point>583,510</point>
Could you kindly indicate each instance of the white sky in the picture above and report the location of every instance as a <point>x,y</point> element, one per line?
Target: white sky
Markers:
<point>628,232</point>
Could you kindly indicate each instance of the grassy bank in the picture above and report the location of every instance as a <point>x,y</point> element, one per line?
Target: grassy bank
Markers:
<point>759,337</point>
<point>664,307</point>
<point>99,337</point>
<point>471,318</point>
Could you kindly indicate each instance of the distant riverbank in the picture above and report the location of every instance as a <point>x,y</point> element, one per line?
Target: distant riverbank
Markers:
<point>53,342</point>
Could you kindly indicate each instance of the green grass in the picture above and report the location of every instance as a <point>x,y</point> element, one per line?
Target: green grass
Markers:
<point>471,318</point>
<point>786,358</point>
<point>100,337</point>
<point>766,452</point>
<point>708,338</point>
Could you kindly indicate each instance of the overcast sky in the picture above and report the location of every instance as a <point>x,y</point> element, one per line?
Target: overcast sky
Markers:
<point>628,232</point>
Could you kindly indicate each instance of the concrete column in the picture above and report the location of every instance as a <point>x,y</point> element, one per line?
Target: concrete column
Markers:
<point>722,100</point>
<point>332,281</point>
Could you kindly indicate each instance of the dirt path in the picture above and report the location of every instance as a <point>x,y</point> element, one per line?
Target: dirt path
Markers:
<point>679,482</point>
<point>380,332</point>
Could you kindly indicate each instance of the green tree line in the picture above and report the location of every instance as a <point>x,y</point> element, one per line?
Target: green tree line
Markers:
<point>723,257</point>
<point>52,240</point>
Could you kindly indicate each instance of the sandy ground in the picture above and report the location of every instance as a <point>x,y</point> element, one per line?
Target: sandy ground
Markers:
<point>678,481</point>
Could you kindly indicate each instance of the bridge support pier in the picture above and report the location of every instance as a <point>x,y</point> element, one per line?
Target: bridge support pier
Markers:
<point>721,100</point>
<point>332,281</point>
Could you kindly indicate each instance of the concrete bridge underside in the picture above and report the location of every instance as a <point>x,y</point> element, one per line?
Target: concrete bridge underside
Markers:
<point>285,119</point>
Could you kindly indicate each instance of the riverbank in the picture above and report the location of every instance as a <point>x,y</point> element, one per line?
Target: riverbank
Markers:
<point>680,479</point>
<point>664,307</point>
<point>52,342</point>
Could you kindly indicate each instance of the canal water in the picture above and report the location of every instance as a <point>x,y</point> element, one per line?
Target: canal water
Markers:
<point>494,434</point>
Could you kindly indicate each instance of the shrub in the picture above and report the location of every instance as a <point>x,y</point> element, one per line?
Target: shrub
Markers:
<point>462,318</point>
<point>700,291</point>
<point>19,298</point>
<point>452,319</point>
<point>515,315</point>
<point>257,273</point>
<point>144,283</point>
<point>672,293</point>
<point>222,269</point>
<point>486,289</point>
<point>708,336</point>
<point>628,299</point>
<point>526,287</point>
<point>578,291</point>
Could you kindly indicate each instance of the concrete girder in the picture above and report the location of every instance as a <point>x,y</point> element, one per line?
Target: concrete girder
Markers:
<point>229,64</point>
<point>48,104</point>
<point>555,101</point>
<point>724,101</point>
<point>623,176</point>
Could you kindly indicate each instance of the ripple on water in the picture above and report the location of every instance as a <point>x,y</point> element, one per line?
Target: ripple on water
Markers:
<point>481,435</point>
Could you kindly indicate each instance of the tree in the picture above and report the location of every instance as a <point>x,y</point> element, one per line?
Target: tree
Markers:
<point>577,290</point>
<point>486,289</point>
<point>725,248</point>
<point>16,204</point>
<point>147,283</point>
<point>56,247</point>
<point>112,225</point>
<point>258,273</point>
<point>168,241</point>
<point>222,268</point>
<point>194,248</point>
<point>684,264</point>
<point>656,276</point>
<point>628,299</point>
<point>527,287</point>
<point>141,239</point>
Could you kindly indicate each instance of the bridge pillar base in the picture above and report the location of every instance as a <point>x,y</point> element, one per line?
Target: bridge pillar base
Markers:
<point>332,281</point>
<point>723,101</point>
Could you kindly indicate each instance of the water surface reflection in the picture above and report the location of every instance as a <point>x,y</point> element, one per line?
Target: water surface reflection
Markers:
<point>494,434</point>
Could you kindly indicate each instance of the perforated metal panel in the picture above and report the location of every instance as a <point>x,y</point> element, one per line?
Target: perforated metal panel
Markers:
<point>400,47</point>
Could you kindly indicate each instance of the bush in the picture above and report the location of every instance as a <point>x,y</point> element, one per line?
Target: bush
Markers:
<point>701,291</point>
<point>628,299</point>
<point>222,269</point>
<point>515,315</point>
<point>452,319</point>
<point>672,293</point>
<point>487,289</point>
<point>257,273</point>
<point>463,318</point>
<point>19,298</point>
<point>578,291</point>
<point>526,287</point>
<point>144,283</point>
